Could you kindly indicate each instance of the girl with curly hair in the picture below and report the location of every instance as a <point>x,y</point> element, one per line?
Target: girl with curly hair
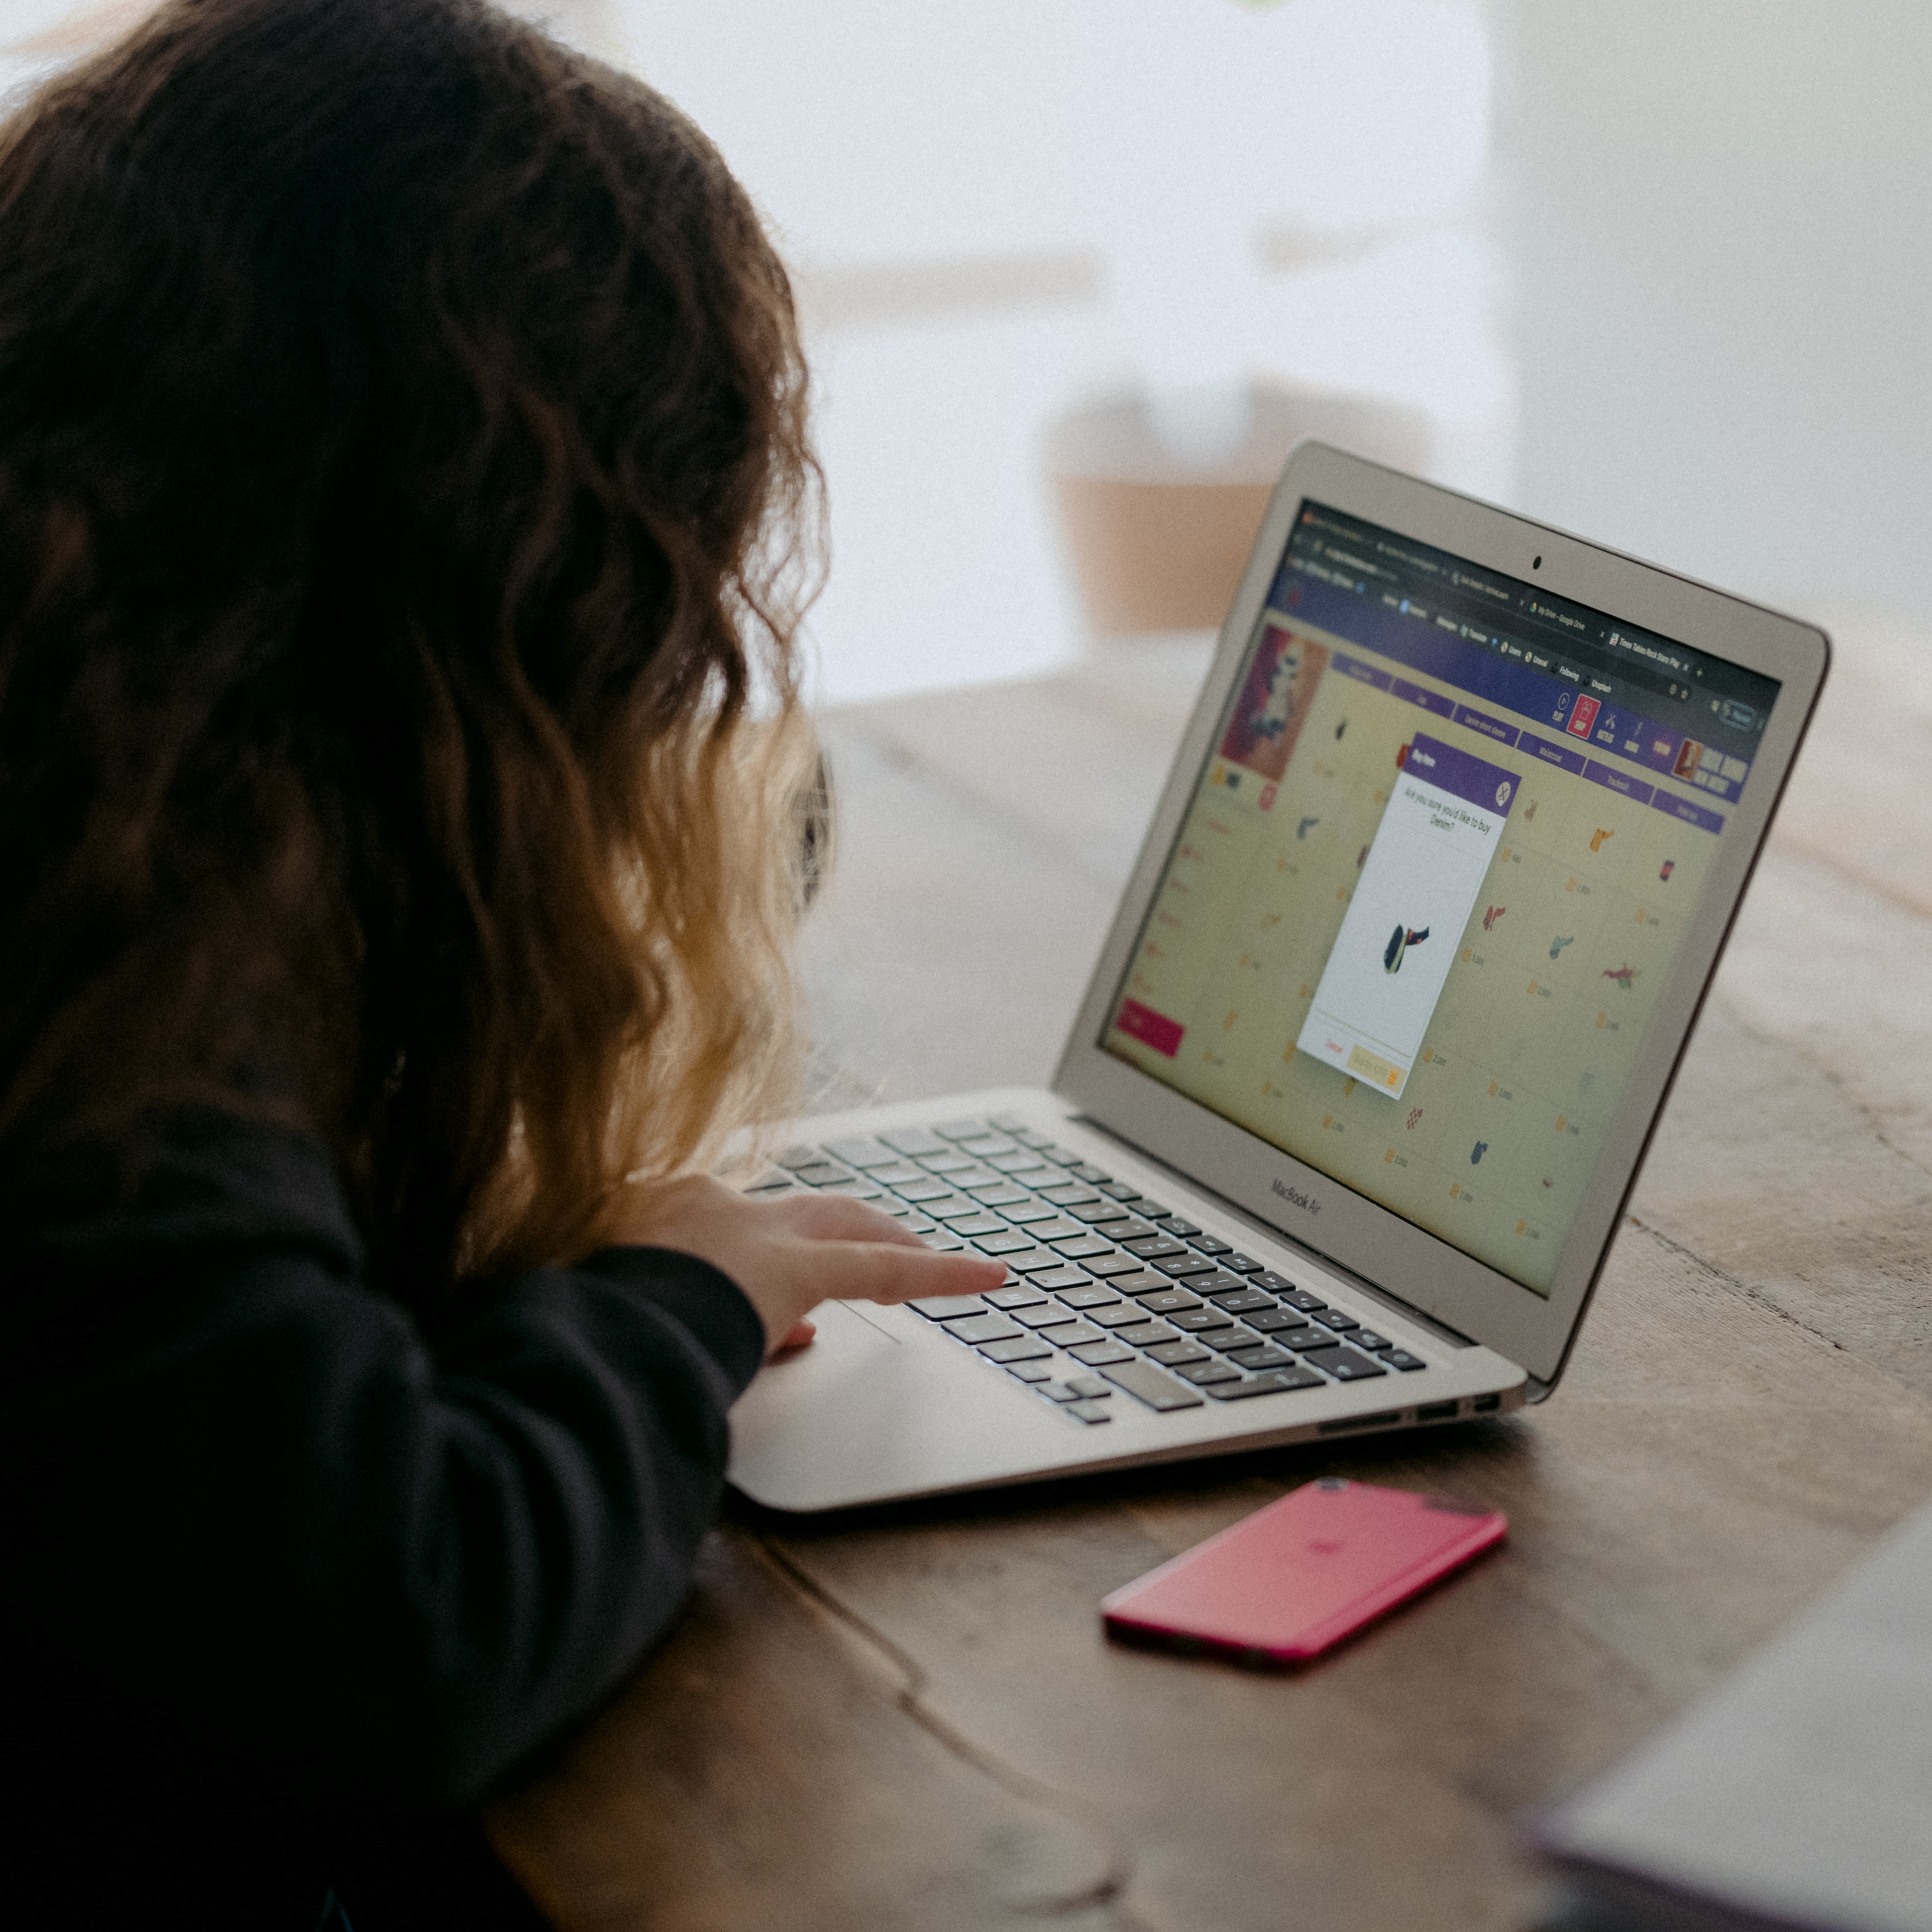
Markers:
<point>405,508</point>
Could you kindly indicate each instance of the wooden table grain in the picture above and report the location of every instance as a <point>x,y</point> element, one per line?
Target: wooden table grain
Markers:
<point>910,1719</point>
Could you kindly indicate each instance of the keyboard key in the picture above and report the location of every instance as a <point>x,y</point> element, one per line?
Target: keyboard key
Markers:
<point>1220,1282</point>
<point>959,1130</point>
<point>1097,1176</point>
<point>1312,1341</point>
<point>820,1173</point>
<point>974,1227</point>
<point>1169,1302</point>
<point>1059,1392</point>
<point>1241,1264</point>
<point>912,1141</point>
<point>1059,1277</point>
<point>1154,1210</point>
<point>1211,1244</point>
<point>982,1147</point>
<point>1155,1246</point>
<point>1192,1320</point>
<point>1276,1382</point>
<point>1098,1354</point>
<point>922,1190</point>
<point>942,1242</point>
<point>978,1328</point>
<point>1070,1194</point>
<point>1242,1299</point>
<point>1345,1366</point>
<point>1297,1297</point>
<point>1144,1334</point>
<point>1024,1213</point>
<point>1276,1284</point>
<point>1171,1354</point>
<point>1264,1356</point>
<point>1059,1229</point>
<point>1019,1163</point>
<point>862,1153</point>
<point>1029,1371</point>
<point>914,1222</point>
<point>1005,1242</point>
<point>970,1179</point>
<point>1006,1123</point>
<point>858,1190</point>
<point>1140,1282</point>
<point>1001,1193</point>
<point>1060,1156</point>
<point>1071,1335</point>
<point>1122,1315</point>
<point>1334,1317</point>
<point>948,1307</point>
<point>794,1158</point>
<point>1119,1190</point>
<point>1363,1338</point>
<point>1081,1248</point>
<point>1043,1315</point>
<point>1202,1373</point>
<point>1112,1264</point>
<point>1091,1388</point>
<point>1146,1384</point>
<point>1400,1358</point>
<point>1176,1267</point>
<point>1090,1297</point>
<point>1096,1213</point>
<point>1089,1412</point>
<point>1028,1136</point>
<point>1179,1224</point>
<point>1022,1348</point>
<point>954,1207</point>
<point>1034,1261</point>
<point>1022,1297</point>
<point>1274,1320</point>
<point>1225,1341</point>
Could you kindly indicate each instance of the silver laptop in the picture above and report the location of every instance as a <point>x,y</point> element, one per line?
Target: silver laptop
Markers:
<point>1373,1051</point>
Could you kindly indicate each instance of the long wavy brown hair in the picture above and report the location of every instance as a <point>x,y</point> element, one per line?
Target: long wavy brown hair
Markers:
<point>406,505</point>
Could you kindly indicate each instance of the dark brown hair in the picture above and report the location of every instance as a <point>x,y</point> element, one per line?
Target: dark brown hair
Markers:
<point>402,462</point>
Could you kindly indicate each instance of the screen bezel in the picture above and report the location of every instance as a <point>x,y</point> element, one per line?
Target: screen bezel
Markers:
<point>1421,1269</point>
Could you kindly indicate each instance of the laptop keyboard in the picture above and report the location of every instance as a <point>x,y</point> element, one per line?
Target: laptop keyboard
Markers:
<point>1107,1291</point>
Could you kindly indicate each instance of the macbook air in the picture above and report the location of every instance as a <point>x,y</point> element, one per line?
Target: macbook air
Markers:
<point>1367,1067</point>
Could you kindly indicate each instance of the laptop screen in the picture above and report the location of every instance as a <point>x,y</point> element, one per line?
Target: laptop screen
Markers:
<point>1431,883</point>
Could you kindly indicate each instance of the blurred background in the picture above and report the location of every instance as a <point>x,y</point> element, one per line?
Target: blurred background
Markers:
<point>1659,270</point>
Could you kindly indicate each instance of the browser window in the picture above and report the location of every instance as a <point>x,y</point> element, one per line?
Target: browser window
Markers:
<point>1432,880</point>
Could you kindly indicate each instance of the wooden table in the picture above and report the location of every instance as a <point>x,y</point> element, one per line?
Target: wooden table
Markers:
<point>913,1720</point>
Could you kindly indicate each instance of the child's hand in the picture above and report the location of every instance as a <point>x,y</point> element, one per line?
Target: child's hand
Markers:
<point>789,1255</point>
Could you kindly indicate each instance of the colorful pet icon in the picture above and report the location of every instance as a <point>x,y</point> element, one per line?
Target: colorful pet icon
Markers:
<point>1623,975</point>
<point>1301,830</point>
<point>1669,866</point>
<point>1556,946</point>
<point>1597,837</point>
<point>1477,1152</point>
<point>1490,917</point>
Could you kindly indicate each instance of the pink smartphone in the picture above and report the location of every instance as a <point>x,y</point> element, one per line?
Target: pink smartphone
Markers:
<point>1291,1581</point>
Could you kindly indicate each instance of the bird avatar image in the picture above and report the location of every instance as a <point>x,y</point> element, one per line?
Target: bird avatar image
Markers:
<point>1400,940</point>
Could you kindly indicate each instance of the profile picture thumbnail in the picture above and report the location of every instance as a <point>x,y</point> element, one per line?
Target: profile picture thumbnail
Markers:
<point>1275,698</point>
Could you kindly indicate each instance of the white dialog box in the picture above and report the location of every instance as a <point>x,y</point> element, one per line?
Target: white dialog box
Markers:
<point>1386,968</point>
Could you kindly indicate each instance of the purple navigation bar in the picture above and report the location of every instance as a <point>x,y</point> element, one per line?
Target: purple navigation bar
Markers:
<point>1632,788</point>
<point>1429,700</point>
<point>1691,815</point>
<point>1354,667</point>
<point>1472,780</point>
<point>1490,727</point>
<point>1551,754</point>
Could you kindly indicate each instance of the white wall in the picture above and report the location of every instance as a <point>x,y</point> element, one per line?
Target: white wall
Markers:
<point>1717,217</point>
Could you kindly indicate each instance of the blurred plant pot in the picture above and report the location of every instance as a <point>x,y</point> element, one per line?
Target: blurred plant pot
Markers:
<point>1158,538</point>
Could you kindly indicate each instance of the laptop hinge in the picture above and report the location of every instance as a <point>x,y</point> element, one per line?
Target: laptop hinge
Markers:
<point>1370,1290</point>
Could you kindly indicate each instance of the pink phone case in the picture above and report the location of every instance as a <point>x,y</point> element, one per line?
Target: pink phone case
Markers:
<point>1285,1584</point>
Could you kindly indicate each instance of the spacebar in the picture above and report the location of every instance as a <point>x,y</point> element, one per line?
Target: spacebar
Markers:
<point>1151,1387</point>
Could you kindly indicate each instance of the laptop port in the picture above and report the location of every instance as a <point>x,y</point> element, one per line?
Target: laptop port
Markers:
<point>1348,1422</point>
<point>1438,1411</point>
<point>1486,1404</point>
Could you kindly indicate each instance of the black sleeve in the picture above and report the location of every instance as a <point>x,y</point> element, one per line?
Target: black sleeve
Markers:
<point>243,1487</point>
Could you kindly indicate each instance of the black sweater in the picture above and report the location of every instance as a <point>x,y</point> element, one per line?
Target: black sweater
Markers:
<point>278,1562</point>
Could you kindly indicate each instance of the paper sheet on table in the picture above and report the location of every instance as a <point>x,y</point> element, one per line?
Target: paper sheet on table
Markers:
<point>1799,1794</point>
